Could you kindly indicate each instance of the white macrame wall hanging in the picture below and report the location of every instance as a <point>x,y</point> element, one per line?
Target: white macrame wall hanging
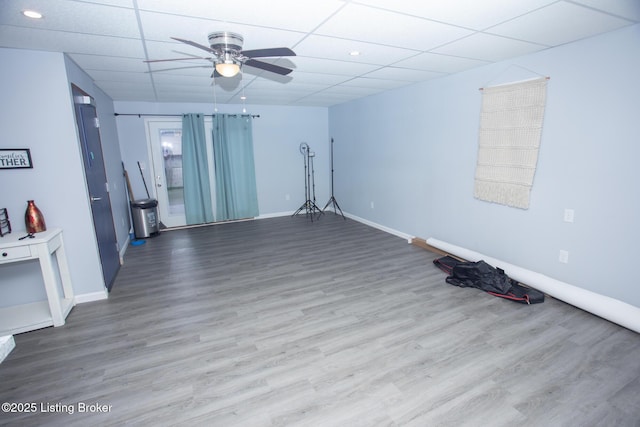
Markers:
<point>510,131</point>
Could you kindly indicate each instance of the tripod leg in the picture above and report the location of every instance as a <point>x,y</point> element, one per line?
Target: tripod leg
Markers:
<point>315,208</point>
<point>300,209</point>
<point>335,202</point>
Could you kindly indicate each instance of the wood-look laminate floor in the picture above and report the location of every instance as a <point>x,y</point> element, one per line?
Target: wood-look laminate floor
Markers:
<point>288,322</point>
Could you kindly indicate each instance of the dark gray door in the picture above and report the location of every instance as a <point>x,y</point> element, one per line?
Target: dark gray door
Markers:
<point>88,128</point>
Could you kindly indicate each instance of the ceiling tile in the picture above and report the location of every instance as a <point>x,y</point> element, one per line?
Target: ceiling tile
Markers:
<point>98,62</point>
<point>120,3</point>
<point>265,84</point>
<point>440,63</point>
<point>267,97</point>
<point>629,9</point>
<point>487,47</point>
<point>128,91</point>
<point>563,22</point>
<point>329,66</point>
<point>339,49</point>
<point>304,77</point>
<point>119,76</point>
<point>353,91</point>
<point>170,49</point>
<point>293,15</point>
<point>182,70</point>
<point>72,17</point>
<point>472,14</point>
<point>202,82</point>
<point>58,41</point>
<point>403,74</point>
<point>128,85</point>
<point>373,83</point>
<point>325,99</point>
<point>184,96</point>
<point>389,28</point>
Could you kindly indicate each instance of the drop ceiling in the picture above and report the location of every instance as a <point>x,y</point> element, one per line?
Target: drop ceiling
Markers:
<point>399,42</point>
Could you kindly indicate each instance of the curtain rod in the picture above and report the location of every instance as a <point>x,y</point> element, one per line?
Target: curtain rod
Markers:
<point>177,115</point>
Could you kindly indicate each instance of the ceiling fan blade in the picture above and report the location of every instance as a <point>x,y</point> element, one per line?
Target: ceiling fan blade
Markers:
<point>194,44</point>
<point>175,59</point>
<point>268,67</point>
<point>275,51</point>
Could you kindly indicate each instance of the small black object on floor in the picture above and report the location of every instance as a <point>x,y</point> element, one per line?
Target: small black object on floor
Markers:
<point>485,277</point>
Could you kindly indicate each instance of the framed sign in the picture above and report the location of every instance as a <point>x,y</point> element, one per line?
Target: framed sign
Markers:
<point>15,158</point>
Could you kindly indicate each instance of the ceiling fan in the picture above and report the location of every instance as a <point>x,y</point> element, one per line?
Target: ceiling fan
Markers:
<point>228,56</point>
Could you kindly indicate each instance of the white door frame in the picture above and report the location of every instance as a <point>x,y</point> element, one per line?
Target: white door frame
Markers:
<point>153,125</point>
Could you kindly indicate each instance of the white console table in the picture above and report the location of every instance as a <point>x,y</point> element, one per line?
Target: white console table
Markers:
<point>53,311</point>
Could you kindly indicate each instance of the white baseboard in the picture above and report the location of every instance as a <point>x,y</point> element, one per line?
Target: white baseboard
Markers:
<point>7,344</point>
<point>93,296</point>
<point>606,307</point>
<point>124,247</point>
<point>274,215</point>
<point>405,236</point>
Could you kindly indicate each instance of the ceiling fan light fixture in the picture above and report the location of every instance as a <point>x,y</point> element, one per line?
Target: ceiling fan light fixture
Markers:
<point>227,68</point>
<point>228,56</point>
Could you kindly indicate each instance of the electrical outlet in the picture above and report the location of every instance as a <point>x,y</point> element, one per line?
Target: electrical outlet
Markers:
<point>563,257</point>
<point>568,215</point>
<point>372,205</point>
<point>287,197</point>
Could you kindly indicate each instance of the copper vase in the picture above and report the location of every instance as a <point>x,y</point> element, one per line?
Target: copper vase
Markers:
<point>33,218</point>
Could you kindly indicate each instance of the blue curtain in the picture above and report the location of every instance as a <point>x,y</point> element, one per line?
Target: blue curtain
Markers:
<point>198,206</point>
<point>236,193</point>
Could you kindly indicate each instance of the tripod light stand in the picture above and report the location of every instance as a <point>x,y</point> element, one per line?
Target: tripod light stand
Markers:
<point>332,199</point>
<point>309,206</point>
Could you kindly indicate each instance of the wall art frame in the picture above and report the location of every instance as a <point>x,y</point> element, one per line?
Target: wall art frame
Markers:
<point>15,158</point>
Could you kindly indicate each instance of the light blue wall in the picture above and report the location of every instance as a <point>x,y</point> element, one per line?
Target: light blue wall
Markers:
<point>412,152</point>
<point>36,112</point>
<point>277,135</point>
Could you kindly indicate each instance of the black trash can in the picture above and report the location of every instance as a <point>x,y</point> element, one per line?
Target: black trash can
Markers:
<point>145,218</point>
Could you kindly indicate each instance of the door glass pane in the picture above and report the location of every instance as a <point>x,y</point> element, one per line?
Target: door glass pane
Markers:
<point>171,142</point>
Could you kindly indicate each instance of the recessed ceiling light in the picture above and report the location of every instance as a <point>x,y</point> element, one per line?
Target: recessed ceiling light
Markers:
<point>354,53</point>
<point>32,14</point>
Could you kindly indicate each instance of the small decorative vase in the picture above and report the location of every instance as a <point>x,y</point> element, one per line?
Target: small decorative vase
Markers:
<point>33,218</point>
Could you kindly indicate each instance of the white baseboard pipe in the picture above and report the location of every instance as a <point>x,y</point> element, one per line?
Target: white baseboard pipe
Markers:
<point>608,308</point>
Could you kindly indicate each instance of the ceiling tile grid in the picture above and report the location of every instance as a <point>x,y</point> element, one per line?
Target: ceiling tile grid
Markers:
<point>346,49</point>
